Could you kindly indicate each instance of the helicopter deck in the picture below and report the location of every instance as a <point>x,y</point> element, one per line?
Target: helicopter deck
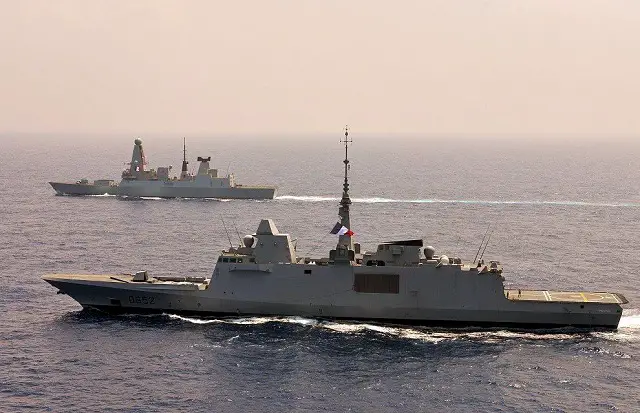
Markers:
<point>565,296</point>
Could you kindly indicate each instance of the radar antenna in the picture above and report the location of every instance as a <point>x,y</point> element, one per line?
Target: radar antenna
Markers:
<point>346,201</point>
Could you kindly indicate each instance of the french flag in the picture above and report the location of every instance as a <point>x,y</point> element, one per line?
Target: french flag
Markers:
<point>340,229</point>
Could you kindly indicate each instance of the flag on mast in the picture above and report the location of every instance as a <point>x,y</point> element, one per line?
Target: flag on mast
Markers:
<point>336,228</point>
<point>340,229</point>
<point>343,230</point>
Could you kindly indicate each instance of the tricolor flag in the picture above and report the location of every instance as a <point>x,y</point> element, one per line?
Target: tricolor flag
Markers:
<point>340,229</point>
<point>336,228</point>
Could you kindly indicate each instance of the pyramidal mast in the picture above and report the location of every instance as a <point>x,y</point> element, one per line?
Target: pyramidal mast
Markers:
<point>344,249</point>
<point>138,160</point>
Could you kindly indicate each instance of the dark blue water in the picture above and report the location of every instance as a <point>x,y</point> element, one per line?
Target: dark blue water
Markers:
<point>565,217</point>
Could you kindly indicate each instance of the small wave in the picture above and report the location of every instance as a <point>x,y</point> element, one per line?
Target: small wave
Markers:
<point>241,320</point>
<point>192,320</point>
<point>599,351</point>
<point>249,320</point>
<point>378,200</point>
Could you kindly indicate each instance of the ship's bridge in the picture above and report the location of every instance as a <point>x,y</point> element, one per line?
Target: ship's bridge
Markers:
<point>236,258</point>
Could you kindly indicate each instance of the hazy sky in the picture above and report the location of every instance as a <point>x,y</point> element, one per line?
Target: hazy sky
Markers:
<point>254,66</point>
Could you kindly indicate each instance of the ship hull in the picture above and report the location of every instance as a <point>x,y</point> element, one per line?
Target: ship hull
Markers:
<point>189,189</point>
<point>62,188</point>
<point>333,303</point>
<point>599,324</point>
<point>165,189</point>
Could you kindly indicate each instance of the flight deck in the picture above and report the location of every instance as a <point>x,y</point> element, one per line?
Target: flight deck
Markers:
<point>565,296</point>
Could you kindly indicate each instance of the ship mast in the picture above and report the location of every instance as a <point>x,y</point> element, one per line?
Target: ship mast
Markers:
<point>138,160</point>
<point>184,173</point>
<point>345,242</point>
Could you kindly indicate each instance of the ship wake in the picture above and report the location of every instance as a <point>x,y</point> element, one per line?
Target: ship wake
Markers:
<point>379,200</point>
<point>629,329</point>
<point>630,319</point>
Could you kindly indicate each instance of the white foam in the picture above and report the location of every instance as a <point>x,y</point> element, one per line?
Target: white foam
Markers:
<point>298,320</point>
<point>377,200</point>
<point>435,336</point>
<point>191,320</point>
<point>342,328</point>
<point>205,199</point>
<point>239,321</point>
<point>627,331</point>
<point>307,198</point>
<point>630,319</point>
<point>250,320</point>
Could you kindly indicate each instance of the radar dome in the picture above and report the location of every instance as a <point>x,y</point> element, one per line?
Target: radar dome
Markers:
<point>248,241</point>
<point>138,141</point>
<point>444,260</point>
<point>429,252</point>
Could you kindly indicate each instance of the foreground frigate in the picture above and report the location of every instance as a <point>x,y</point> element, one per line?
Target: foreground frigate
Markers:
<point>140,181</point>
<point>399,282</point>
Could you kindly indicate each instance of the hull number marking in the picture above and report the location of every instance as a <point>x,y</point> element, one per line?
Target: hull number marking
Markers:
<point>141,299</point>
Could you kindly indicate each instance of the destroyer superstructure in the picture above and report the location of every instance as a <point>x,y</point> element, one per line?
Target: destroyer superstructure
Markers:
<point>138,180</point>
<point>400,282</point>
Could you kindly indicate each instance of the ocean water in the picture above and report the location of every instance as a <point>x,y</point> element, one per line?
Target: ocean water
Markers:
<point>564,216</point>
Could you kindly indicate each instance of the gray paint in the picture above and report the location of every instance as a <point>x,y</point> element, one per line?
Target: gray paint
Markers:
<point>265,277</point>
<point>427,294</point>
<point>138,181</point>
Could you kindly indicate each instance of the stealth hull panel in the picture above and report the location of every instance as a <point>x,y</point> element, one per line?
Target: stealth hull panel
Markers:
<point>330,294</point>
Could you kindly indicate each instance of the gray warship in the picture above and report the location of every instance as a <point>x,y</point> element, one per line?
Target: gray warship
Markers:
<point>138,180</point>
<point>400,282</point>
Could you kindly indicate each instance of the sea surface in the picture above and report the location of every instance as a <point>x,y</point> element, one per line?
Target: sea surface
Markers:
<point>564,214</point>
